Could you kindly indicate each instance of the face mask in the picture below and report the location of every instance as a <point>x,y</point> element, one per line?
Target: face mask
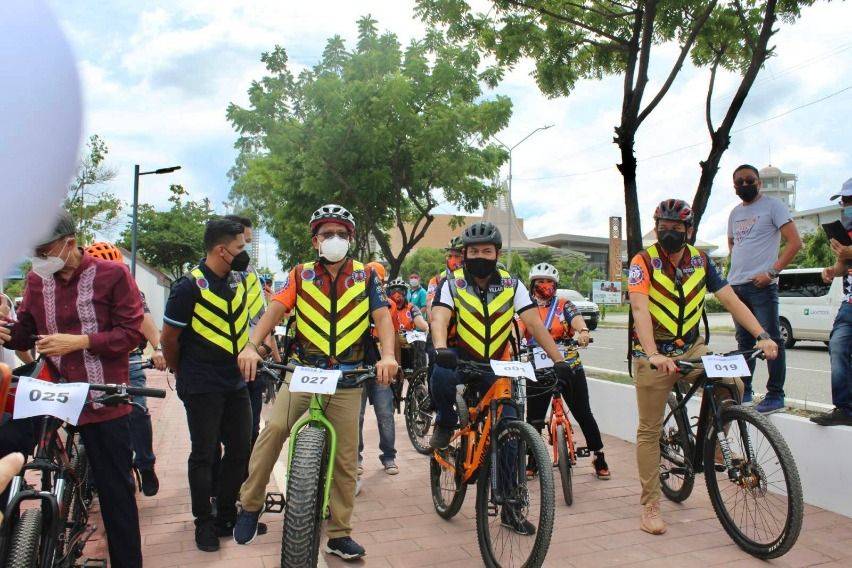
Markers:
<point>414,283</point>
<point>747,192</point>
<point>47,267</point>
<point>454,263</point>
<point>847,211</point>
<point>398,298</point>
<point>671,241</point>
<point>545,289</point>
<point>240,262</point>
<point>334,249</point>
<point>481,267</point>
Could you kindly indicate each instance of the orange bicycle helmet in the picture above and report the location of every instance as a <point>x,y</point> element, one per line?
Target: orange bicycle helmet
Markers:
<point>106,251</point>
<point>378,268</point>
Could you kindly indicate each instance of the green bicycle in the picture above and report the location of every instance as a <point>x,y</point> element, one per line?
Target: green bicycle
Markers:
<point>312,450</point>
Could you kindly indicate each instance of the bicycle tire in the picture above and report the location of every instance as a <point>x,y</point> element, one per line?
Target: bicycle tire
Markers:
<point>565,469</point>
<point>682,438</point>
<point>26,540</point>
<point>448,510</point>
<point>303,515</point>
<point>74,504</point>
<point>531,443</point>
<point>793,486</point>
<point>417,407</point>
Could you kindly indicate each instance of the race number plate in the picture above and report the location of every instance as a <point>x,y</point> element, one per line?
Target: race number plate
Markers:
<point>513,369</point>
<point>414,336</point>
<point>318,381</point>
<point>40,398</point>
<point>725,365</point>
<point>542,361</point>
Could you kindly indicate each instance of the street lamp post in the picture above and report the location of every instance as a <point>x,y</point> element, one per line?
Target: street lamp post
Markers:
<point>134,230</point>
<point>511,209</point>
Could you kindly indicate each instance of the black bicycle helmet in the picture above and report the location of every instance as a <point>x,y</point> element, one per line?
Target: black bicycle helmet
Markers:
<point>332,212</point>
<point>674,210</point>
<point>482,233</point>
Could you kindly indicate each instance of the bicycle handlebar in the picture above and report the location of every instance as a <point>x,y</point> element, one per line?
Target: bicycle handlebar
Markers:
<point>686,366</point>
<point>364,374</point>
<point>113,389</point>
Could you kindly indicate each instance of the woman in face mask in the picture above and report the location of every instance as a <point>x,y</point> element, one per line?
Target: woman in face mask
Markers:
<point>564,321</point>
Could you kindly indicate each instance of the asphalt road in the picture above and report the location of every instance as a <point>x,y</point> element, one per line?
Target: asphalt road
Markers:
<point>808,367</point>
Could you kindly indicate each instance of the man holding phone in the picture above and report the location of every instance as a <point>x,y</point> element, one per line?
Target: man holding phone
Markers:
<point>840,346</point>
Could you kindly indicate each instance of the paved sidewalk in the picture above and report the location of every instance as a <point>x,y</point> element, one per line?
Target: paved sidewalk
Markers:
<point>396,523</point>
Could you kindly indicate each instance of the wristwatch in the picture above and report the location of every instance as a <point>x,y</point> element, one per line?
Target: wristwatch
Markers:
<point>763,336</point>
<point>772,273</point>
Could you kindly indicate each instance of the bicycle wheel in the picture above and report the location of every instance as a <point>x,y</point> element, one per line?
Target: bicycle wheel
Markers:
<point>419,413</point>
<point>26,540</point>
<point>516,532</point>
<point>303,515</point>
<point>448,489</point>
<point>759,502</point>
<point>677,476</point>
<point>76,499</point>
<point>564,465</point>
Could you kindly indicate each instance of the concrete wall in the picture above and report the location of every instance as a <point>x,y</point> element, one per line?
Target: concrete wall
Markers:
<point>823,455</point>
<point>156,293</point>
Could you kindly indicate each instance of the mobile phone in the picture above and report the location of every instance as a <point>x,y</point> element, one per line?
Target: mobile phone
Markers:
<point>838,232</point>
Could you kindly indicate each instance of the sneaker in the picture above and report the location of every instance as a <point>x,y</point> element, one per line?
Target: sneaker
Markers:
<point>440,437</point>
<point>514,520</point>
<point>246,527</point>
<point>748,396</point>
<point>836,417</point>
<point>357,486</point>
<point>652,522</point>
<point>391,467</point>
<point>205,536</point>
<point>149,482</point>
<point>770,404</point>
<point>360,468</point>
<point>601,467</point>
<point>345,548</point>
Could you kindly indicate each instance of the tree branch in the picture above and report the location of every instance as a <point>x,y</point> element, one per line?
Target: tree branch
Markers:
<point>684,51</point>
<point>746,27</point>
<point>569,20</point>
<point>708,105</point>
<point>648,19</point>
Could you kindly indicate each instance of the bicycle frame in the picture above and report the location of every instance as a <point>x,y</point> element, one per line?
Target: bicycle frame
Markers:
<point>316,416</point>
<point>559,417</point>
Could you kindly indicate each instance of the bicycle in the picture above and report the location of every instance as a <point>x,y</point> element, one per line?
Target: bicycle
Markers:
<point>503,494</point>
<point>739,480</point>
<point>312,451</point>
<point>419,411</point>
<point>54,534</point>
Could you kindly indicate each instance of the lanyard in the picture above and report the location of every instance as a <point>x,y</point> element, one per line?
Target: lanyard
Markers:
<point>548,320</point>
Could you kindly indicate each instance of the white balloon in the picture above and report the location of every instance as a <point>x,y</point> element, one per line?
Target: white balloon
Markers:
<point>40,121</point>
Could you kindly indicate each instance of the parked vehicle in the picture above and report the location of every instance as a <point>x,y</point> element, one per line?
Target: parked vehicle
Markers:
<point>591,312</point>
<point>807,305</point>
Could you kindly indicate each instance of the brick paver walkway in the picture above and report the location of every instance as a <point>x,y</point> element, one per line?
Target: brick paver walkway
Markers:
<point>396,523</point>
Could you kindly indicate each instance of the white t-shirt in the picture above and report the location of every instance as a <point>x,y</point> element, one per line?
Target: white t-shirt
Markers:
<point>755,229</point>
<point>522,297</point>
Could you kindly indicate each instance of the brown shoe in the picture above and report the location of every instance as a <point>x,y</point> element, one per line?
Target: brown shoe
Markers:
<point>652,522</point>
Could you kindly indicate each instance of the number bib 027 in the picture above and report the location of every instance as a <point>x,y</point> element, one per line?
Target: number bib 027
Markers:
<point>41,398</point>
<point>725,366</point>
<point>317,381</point>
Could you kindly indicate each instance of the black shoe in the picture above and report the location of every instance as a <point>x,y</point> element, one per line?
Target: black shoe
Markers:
<point>440,437</point>
<point>148,481</point>
<point>836,417</point>
<point>205,536</point>
<point>227,528</point>
<point>516,521</point>
<point>345,548</point>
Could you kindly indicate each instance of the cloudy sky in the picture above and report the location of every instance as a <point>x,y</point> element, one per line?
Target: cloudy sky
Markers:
<point>158,75</point>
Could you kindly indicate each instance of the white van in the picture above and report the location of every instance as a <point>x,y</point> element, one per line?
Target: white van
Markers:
<point>808,305</point>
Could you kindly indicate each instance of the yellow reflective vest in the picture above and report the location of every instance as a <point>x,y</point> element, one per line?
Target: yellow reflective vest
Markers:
<point>676,302</point>
<point>254,300</point>
<point>222,322</point>
<point>483,324</point>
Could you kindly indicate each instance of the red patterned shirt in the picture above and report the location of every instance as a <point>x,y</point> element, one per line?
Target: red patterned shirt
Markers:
<point>100,300</point>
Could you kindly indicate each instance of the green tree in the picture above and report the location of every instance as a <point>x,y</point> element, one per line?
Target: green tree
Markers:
<point>569,41</point>
<point>815,252</point>
<point>171,240</point>
<point>427,262</point>
<point>575,273</point>
<point>386,132</point>
<point>95,210</point>
<point>539,255</point>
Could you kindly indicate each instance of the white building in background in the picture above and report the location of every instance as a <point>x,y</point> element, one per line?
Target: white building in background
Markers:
<point>154,284</point>
<point>780,185</point>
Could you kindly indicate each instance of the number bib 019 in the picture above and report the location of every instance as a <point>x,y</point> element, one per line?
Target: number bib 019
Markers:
<point>725,366</point>
<point>317,381</point>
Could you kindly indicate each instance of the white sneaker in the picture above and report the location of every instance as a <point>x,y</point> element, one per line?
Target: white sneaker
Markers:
<point>358,486</point>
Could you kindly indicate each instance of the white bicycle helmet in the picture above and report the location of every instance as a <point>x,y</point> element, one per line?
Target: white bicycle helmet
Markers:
<point>544,271</point>
<point>397,283</point>
<point>332,212</point>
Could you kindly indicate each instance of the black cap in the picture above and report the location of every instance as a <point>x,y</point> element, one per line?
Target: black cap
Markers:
<point>64,227</point>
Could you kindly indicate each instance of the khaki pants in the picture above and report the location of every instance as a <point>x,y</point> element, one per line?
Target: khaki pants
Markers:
<point>343,410</point>
<point>652,392</point>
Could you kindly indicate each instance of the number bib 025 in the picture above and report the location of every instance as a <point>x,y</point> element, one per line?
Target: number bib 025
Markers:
<point>41,398</point>
<point>317,381</point>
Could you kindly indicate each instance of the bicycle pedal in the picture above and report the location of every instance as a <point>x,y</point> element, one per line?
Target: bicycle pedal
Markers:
<point>274,503</point>
<point>582,452</point>
<point>492,510</point>
<point>93,563</point>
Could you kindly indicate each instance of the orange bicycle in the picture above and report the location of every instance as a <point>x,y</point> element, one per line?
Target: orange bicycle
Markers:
<point>514,515</point>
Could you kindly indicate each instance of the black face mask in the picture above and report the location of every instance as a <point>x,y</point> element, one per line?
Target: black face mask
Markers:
<point>480,267</point>
<point>671,241</point>
<point>747,192</point>
<point>241,262</point>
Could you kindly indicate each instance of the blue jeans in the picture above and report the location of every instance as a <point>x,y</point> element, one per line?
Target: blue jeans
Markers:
<point>444,382</point>
<point>763,303</point>
<point>381,396</point>
<point>840,351</point>
<point>141,433</point>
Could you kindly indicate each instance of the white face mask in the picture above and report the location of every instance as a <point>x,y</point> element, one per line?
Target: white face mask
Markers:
<point>334,249</point>
<point>47,267</point>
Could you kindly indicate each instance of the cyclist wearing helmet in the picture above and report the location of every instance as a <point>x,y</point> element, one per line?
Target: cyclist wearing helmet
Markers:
<point>455,259</point>
<point>563,320</point>
<point>141,432</point>
<point>337,294</point>
<point>667,284</point>
<point>483,300</point>
<point>378,269</point>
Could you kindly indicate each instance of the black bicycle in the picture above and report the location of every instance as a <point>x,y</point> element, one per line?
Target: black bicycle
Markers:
<point>55,533</point>
<point>751,475</point>
<point>419,410</point>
